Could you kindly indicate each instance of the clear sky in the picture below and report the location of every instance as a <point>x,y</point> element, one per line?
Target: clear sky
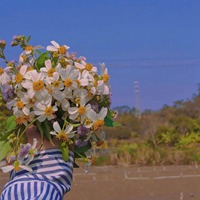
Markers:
<point>154,42</point>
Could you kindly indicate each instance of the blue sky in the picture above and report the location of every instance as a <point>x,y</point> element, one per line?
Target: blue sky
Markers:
<point>154,42</point>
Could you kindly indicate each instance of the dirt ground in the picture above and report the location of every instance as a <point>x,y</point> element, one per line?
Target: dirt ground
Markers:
<point>133,183</point>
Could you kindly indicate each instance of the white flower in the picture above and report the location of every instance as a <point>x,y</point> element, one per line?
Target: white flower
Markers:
<point>63,99</point>
<point>32,152</point>
<point>21,118</point>
<point>97,118</point>
<point>19,77</point>
<point>60,134</point>
<point>85,66</point>
<point>69,76</point>
<point>55,86</point>
<point>86,78</point>
<point>4,76</point>
<point>25,156</point>
<point>22,102</point>
<point>31,48</point>
<point>24,59</point>
<point>56,47</point>
<point>80,111</point>
<point>45,110</point>
<point>35,85</point>
<point>16,166</point>
<point>103,86</point>
<point>49,71</point>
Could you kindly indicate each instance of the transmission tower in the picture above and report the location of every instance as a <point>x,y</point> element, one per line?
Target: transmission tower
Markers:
<point>137,99</point>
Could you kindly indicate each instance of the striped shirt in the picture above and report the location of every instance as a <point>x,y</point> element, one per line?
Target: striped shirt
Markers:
<point>50,179</point>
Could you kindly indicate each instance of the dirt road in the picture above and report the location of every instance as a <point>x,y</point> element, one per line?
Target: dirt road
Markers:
<point>134,183</point>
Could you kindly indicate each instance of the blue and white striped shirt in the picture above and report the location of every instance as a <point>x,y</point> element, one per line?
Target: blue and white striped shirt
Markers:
<point>50,179</point>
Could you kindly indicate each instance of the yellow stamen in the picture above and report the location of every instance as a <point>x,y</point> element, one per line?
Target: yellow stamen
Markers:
<point>49,111</point>
<point>19,120</point>
<point>98,97</point>
<point>20,104</point>
<point>78,83</point>
<point>87,122</point>
<point>16,166</point>
<point>30,68</point>
<point>77,100</point>
<point>62,136</point>
<point>68,82</point>
<point>95,83</point>
<point>88,66</point>
<point>29,48</point>
<point>89,94</point>
<point>106,77</point>
<point>55,54</point>
<point>31,151</point>
<point>98,124</point>
<point>26,118</point>
<point>24,57</point>
<point>50,72</point>
<point>81,110</point>
<point>79,118</point>
<point>38,85</point>
<point>56,84</point>
<point>50,91</point>
<point>1,70</point>
<point>64,63</point>
<point>62,50</point>
<point>19,78</point>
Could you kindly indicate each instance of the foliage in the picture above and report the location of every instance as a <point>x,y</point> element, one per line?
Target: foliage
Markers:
<point>170,135</point>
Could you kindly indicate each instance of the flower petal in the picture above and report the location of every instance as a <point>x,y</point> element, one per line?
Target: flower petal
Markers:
<point>55,44</point>
<point>56,127</point>
<point>68,129</point>
<point>51,48</point>
<point>7,168</point>
<point>102,113</point>
<point>72,110</point>
<point>48,64</point>
<point>26,168</point>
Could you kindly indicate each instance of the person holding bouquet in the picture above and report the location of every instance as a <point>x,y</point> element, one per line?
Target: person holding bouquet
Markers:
<point>50,176</point>
<point>59,105</point>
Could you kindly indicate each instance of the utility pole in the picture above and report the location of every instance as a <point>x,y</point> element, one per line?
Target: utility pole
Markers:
<point>137,99</point>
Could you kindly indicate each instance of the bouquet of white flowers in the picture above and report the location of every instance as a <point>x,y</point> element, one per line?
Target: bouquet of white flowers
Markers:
<point>62,95</point>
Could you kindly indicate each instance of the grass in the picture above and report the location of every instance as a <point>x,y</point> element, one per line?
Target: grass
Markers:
<point>134,153</point>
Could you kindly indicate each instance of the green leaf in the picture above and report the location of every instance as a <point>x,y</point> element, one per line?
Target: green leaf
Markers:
<point>39,127</point>
<point>1,144</point>
<point>5,148</point>
<point>109,115</point>
<point>54,61</point>
<point>65,150</point>
<point>44,129</point>
<point>76,125</point>
<point>109,122</point>
<point>41,59</point>
<point>10,123</point>
<point>116,123</point>
<point>81,150</point>
<point>5,136</point>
